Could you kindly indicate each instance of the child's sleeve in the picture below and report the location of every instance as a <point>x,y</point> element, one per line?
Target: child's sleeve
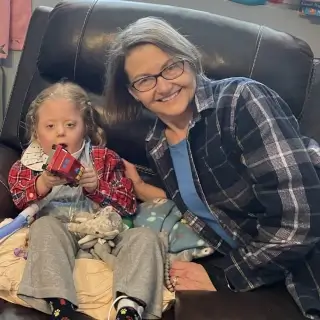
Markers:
<point>22,184</point>
<point>113,187</point>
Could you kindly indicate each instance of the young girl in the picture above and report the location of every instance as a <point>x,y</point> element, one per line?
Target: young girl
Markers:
<point>62,114</point>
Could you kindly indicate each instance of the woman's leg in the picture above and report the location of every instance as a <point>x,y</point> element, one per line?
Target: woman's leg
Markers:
<point>139,269</point>
<point>49,269</point>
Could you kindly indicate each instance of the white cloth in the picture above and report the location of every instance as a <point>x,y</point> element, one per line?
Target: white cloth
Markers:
<point>34,157</point>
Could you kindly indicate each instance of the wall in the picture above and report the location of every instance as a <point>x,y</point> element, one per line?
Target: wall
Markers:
<point>10,65</point>
<point>270,15</point>
<point>274,16</point>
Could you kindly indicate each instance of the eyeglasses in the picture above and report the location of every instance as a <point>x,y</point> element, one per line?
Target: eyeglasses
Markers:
<point>170,72</point>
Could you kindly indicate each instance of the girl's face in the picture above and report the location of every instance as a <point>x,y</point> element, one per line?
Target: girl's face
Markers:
<point>60,122</point>
<point>170,97</point>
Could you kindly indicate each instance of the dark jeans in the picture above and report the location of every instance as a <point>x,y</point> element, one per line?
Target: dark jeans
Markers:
<point>216,274</point>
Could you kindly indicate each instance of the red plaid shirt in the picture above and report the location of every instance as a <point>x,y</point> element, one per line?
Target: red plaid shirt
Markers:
<point>113,187</point>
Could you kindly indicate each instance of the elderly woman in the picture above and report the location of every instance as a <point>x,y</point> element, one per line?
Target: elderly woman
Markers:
<point>230,156</point>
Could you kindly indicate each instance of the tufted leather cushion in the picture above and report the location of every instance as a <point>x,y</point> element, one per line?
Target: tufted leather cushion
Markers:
<point>229,47</point>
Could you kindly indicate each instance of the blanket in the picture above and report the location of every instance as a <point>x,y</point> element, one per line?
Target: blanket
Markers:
<point>93,279</point>
<point>182,243</point>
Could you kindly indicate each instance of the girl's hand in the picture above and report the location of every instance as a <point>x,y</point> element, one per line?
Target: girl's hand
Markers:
<point>46,181</point>
<point>89,180</point>
<point>132,173</point>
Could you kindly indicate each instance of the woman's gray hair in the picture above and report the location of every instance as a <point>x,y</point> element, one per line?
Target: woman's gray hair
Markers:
<point>120,105</point>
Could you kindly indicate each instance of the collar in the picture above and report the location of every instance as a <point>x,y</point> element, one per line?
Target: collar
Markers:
<point>34,157</point>
<point>203,100</point>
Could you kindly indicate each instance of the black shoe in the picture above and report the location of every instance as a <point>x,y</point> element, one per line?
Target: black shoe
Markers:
<point>128,313</point>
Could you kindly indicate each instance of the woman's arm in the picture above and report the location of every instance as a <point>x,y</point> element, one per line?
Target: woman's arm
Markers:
<point>284,181</point>
<point>144,191</point>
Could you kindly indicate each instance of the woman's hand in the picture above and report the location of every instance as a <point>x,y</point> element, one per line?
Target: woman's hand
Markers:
<point>190,276</point>
<point>144,191</point>
<point>132,173</point>
<point>89,180</point>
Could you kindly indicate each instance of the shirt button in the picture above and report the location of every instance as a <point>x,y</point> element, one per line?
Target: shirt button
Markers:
<point>31,195</point>
<point>103,191</point>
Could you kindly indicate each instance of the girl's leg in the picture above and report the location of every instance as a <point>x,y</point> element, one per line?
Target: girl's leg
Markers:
<point>48,275</point>
<point>139,269</point>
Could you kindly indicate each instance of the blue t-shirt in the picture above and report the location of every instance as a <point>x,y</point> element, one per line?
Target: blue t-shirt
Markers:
<point>182,167</point>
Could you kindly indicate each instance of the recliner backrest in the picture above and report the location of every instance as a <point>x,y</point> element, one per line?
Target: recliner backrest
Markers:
<point>74,38</point>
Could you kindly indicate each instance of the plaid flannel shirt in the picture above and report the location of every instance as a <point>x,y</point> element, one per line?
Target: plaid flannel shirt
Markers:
<point>259,177</point>
<point>113,187</point>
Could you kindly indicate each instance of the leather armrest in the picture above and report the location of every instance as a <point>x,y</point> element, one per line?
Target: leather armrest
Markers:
<point>7,158</point>
<point>263,304</point>
<point>309,119</point>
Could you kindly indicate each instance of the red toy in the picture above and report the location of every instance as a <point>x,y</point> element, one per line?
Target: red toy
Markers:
<point>63,164</point>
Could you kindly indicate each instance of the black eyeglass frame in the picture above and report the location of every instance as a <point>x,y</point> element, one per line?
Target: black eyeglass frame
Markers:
<point>160,74</point>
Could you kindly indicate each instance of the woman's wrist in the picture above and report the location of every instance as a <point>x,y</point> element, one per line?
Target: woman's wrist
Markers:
<point>138,185</point>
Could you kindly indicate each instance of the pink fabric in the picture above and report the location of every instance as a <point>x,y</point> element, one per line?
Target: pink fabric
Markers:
<point>5,27</point>
<point>15,17</point>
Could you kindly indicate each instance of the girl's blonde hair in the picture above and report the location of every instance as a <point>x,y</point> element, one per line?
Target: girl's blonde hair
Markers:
<point>74,93</point>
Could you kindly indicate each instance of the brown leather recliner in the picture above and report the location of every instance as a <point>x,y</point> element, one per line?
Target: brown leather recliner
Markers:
<point>71,40</point>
